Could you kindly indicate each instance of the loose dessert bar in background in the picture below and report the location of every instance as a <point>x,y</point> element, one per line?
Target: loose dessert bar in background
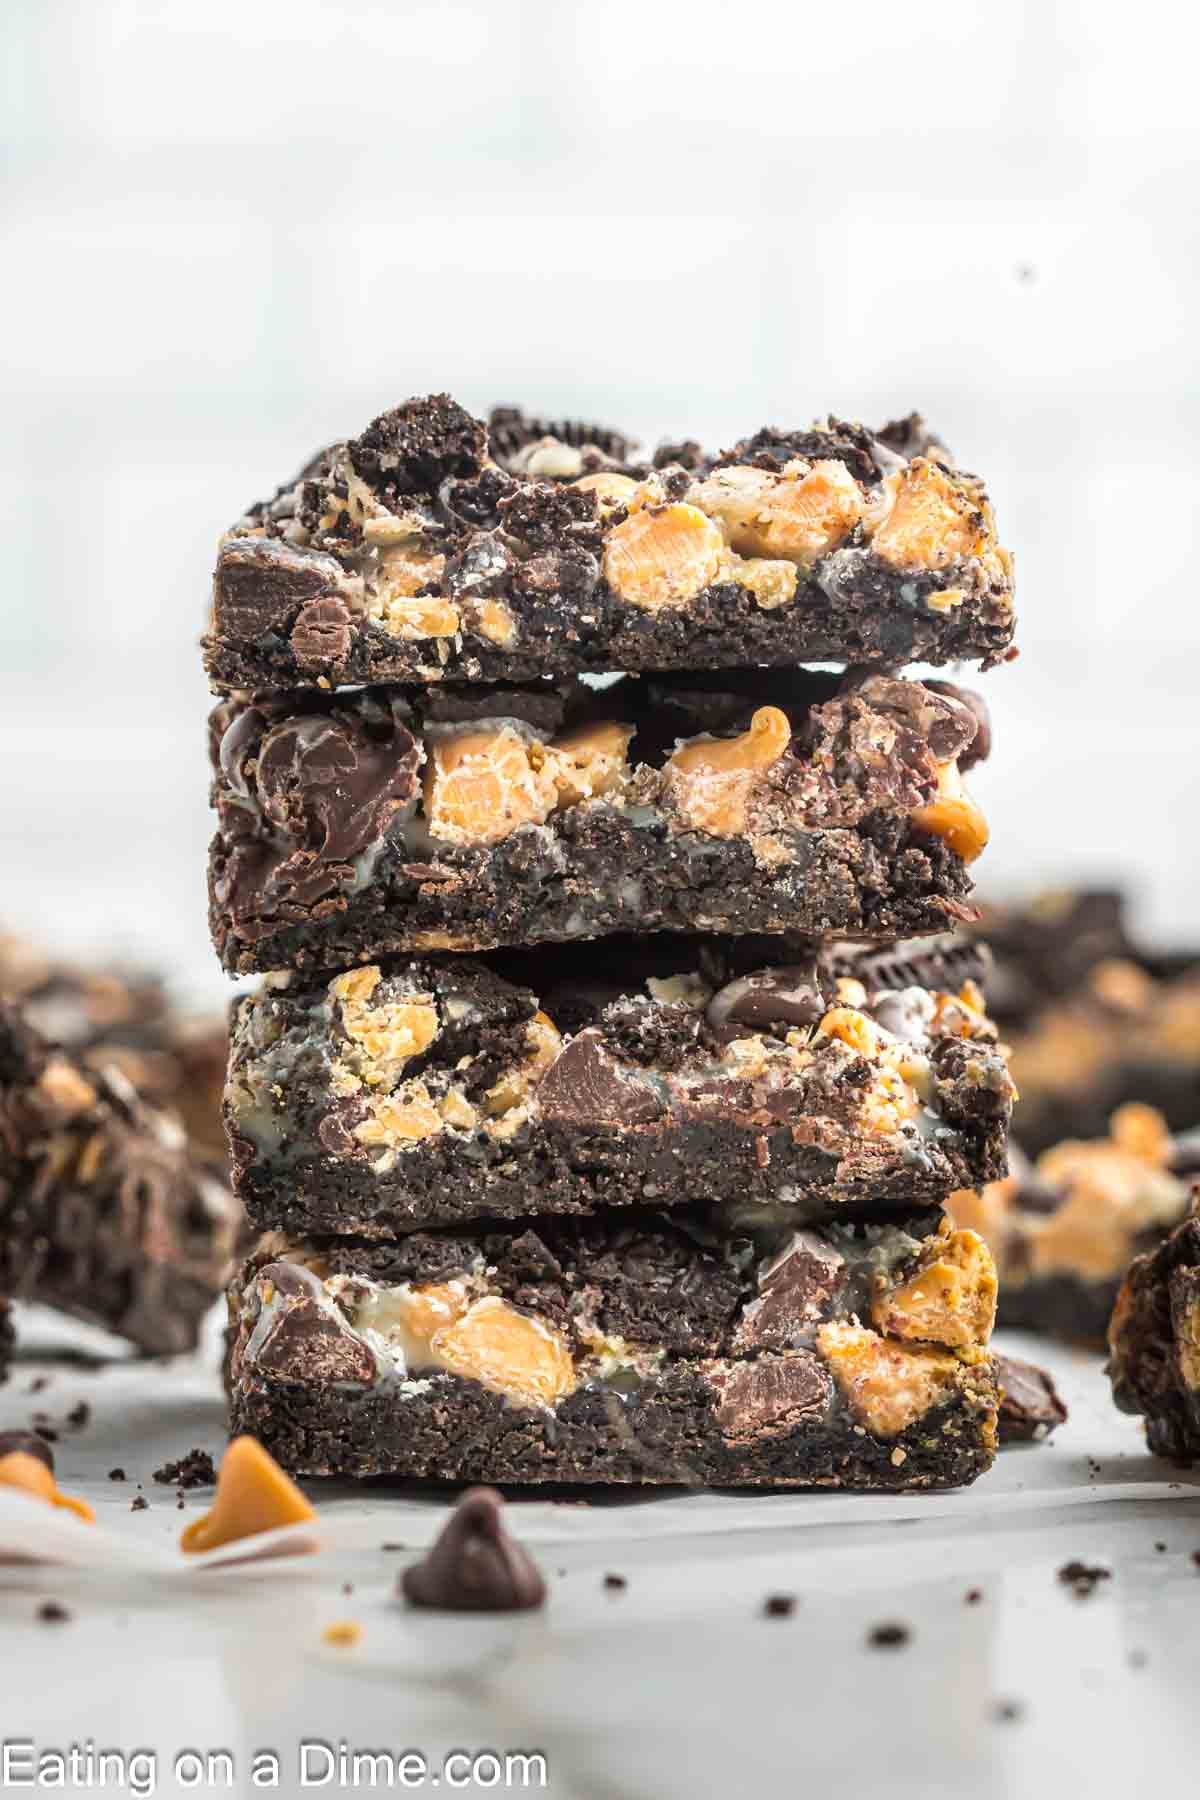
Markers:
<point>104,1213</point>
<point>1154,1342</point>
<point>649,1071</point>
<point>696,1347</point>
<point>112,1016</point>
<point>427,550</point>
<point>355,826</point>
<point>7,1339</point>
<point>1064,1230</point>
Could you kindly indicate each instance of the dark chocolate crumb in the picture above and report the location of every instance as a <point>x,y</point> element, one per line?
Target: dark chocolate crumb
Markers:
<point>46,1432</point>
<point>1137,1659</point>
<point>1196,1558</point>
<point>393,1546</point>
<point>51,1613</point>
<point>347,1587</point>
<point>1005,1711</point>
<point>139,1503</point>
<point>38,1384</point>
<point>116,1475</point>
<point>191,1471</point>
<point>974,1596</point>
<point>779,1606</point>
<point>889,1637</point>
<point>1160,1547</point>
<point>79,1415</point>
<point>1084,1578</point>
<point>179,1504</point>
<point>615,1581</point>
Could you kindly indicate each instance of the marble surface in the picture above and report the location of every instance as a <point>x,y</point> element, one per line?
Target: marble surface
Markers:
<point>675,1684</point>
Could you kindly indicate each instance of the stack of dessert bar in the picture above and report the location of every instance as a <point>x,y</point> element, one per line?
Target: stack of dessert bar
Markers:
<point>594,1122</point>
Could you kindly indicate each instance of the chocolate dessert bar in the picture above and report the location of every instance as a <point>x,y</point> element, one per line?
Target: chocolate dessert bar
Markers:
<point>1154,1341</point>
<point>362,825</point>
<point>1128,1033</point>
<point>650,1071</point>
<point>7,1340</point>
<point>432,548</point>
<point>103,1211</point>
<point>1064,1230</point>
<point>1045,948</point>
<point>705,1346</point>
<point>119,1017</point>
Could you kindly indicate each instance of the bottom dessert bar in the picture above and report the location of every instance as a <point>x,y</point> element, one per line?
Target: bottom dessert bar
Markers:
<point>1064,1230</point>
<point>711,1347</point>
<point>1154,1342</point>
<point>103,1212</point>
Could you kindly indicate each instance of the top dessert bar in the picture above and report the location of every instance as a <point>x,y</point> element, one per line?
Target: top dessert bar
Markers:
<point>434,547</point>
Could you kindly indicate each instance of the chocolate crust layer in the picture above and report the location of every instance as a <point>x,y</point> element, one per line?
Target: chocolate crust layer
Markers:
<point>103,1212</point>
<point>663,1433</point>
<point>353,826</point>
<point>389,560</point>
<point>657,1071</point>
<point>703,1347</point>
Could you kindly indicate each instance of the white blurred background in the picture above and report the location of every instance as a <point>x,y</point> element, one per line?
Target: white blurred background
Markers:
<point>238,229</point>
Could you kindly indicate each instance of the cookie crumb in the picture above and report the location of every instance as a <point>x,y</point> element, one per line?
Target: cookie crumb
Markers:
<point>615,1581</point>
<point>191,1471</point>
<point>343,1634</point>
<point>973,1596</point>
<point>1005,1711</point>
<point>139,1503</point>
<point>1083,1578</point>
<point>1160,1546</point>
<point>779,1606</point>
<point>889,1636</point>
<point>79,1415</point>
<point>1137,1659</point>
<point>51,1613</point>
<point>116,1475</point>
<point>393,1546</point>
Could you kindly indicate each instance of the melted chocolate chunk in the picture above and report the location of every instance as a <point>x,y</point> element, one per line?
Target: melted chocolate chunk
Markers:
<point>771,1395</point>
<point>796,1291</point>
<point>475,1566</point>
<point>307,1344</point>
<point>1030,1408</point>
<point>980,747</point>
<point>795,995</point>
<point>587,1086</point>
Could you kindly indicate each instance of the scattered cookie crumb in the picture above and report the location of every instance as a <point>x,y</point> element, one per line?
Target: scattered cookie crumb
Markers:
<point>1160,1547</point>
<point>51,1613</point>
<point>1005,1711</point>
<point>116,1475</point>
<point>139,1503</point>
<point>889,1637</point>
<point>1137,1659</point>
<point>38,1385</point>
<point>615,1581</point>
<point>779,1606</point>
<point>191,1471</point>
<point>1083,1578</point>
<point>79,1415</point>
<point>973,1596</point>
<point>46,1432</point>
<point>344,1633</point>
<point>393,1546</point>
<point>347,1587</point>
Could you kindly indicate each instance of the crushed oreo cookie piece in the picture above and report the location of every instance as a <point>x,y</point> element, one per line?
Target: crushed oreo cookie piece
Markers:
<point>890,1636</point>
<point>779,1606</point>
<point>51,1613</point>
<point>616,1582</point>
<point>1083,1578</point>
<point>194,1470</point>
<point>475,1566</point>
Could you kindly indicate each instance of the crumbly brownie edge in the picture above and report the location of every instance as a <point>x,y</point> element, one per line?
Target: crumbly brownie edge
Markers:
<point>661,1433</point>
<point>600,875</point>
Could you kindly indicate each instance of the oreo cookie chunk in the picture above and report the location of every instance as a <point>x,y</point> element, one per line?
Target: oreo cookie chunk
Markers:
<point>434,548</point>
<point>641,1071</point>
<point>1065,1229</point>
<point>398,820</point>
<point>698,1347</point>
<point>104,1213</point>
<point>1153,1337</point>
<point>123,1018</point>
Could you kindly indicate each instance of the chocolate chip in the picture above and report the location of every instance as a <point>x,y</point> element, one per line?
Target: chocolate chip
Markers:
<point>779,1606</point>
<point>794,1293</point>
<point>322,633</point>
<point>790,997</point>
<point>51,1613</point>
<point>1030,1408</point>
<point>27,1443</point>
<point>308,1343</point>
<point>889,1637</point>
<point>586,1085</point>
<point>770,1396</point>
<point>475,1566</point>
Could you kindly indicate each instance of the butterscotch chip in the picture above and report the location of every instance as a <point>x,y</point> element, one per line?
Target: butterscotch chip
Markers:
<point>800,514</point>
<point>852,1028</point>
<point>887,1386</point>
<point>663,556</point>
<point>65,1088</point>
<point>953,816</point>
<point>612,491</point>
<point>405,1117</point>
<point>772,583</point>
<point>934,520</point>
<point>950,1298</point>
<point>382,1038</point>
<point>589,762</point>
<point>493,620</point>
<point>507,1351</point>
<point>481,785</point>
<point>710,779</point>
<point>343,1634</point>
<point>253,1495</point>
